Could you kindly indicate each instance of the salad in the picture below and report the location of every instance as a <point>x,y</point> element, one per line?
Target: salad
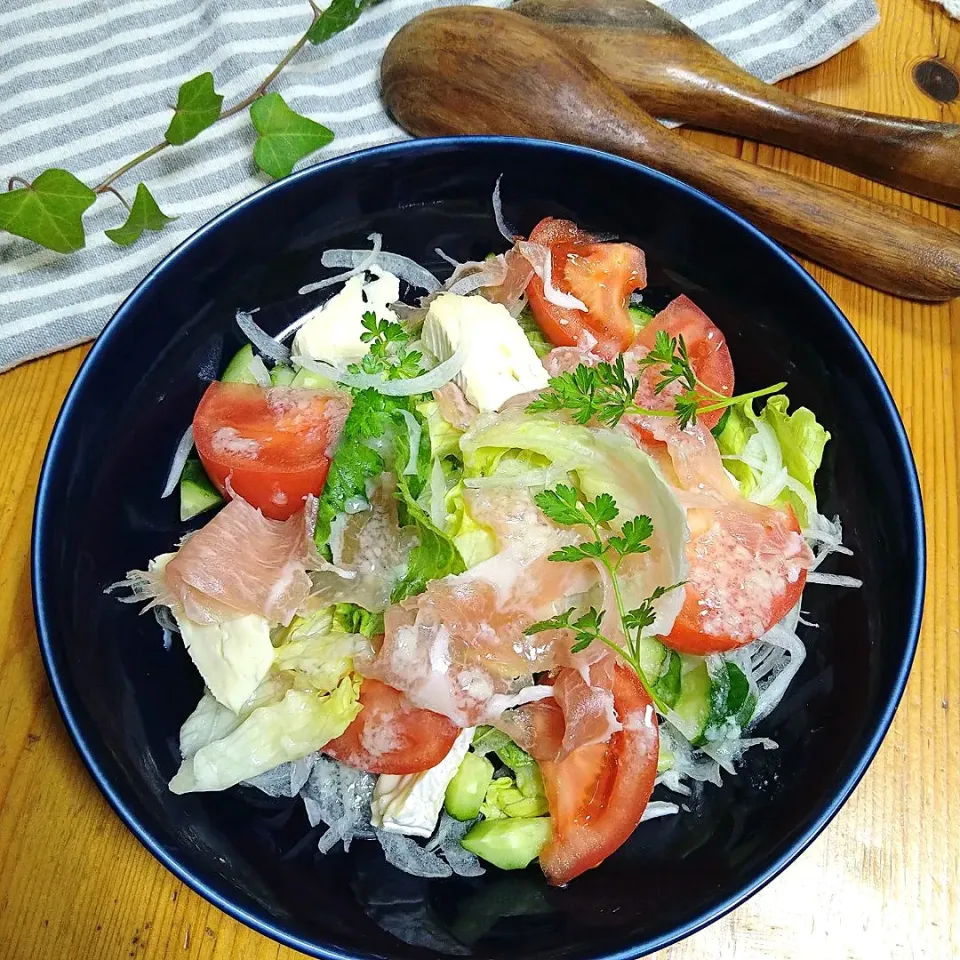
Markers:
<point>490,564</point>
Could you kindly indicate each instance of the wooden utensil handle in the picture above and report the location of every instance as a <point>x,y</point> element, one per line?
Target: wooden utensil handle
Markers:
<point>483,70</point>
<point>876,243</point>
<point>674,74</point>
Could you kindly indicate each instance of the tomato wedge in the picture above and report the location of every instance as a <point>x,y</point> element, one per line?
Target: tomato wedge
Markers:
<point>391,735</point>
<point>748,567</point>
<point>273,444</point>
<point>598,793</point>
<point>706,346</point>
<point>600,275</point>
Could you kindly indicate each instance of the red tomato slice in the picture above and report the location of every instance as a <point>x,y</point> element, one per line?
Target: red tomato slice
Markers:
<point>601,275</point>
<point>706,345</point>
<point>391,735</point>
<point>748,567</point>
<point>274,444</point>
<point>598,793</point>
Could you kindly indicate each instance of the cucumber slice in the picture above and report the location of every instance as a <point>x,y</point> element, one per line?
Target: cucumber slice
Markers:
<point>314,381</point>
<point>665,759</point>
<point>652,656</point>
<point>509,844</point>
<point>691,712</point>
<point>238,369</point>
<point>527,807</point>
<point>667,686</point>
<point>641,315</point>
<point>197,493</point>
<point>282,376</point>
<point>466,790</point>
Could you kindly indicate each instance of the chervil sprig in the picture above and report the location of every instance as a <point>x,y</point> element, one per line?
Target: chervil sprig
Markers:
<point>606,393</point>
<point>389,353</point>
<point>563,505</point>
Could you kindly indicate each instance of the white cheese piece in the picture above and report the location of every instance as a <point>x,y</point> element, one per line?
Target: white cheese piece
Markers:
<point>410,804</point>
<point>233,657</point>
<point>332,331</point>
<point>501,363</point>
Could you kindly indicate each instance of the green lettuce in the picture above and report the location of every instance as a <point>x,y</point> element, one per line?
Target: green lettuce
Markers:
<point>435,556</point>
<point>774,455</point>
<point>300,723</point>
<point>535,336</point>
<point>444,437</point>
<point>474,542</point>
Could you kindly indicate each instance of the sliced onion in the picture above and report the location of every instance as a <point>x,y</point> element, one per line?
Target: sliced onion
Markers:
<point>540,258</point>
<point>438,495</point>
<point>833,579</point>
<point>399,265</point>
<point>259,372</point>
<point>453,263</point>
<point>771,695</point>
<point>262,340</point>
<point>179,460</point>
<point>442,373</point>
<point>658,808</point>
<point>365,260</point>
<point>413,436</point>
<point>506,231</point>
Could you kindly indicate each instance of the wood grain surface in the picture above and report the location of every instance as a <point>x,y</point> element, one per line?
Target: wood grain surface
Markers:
<point>674,74</point>
<point>883,881</point>
<point>479,70</point>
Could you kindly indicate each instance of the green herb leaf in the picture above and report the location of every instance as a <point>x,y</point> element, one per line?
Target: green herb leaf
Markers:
<point>285,135</point>
<point>559,622</point>
<point>633,536</point>
<point>603,509</point>
<point>561,505</point>
<point>198,106</point>
<point>49,211</point>
<point>144,215</point>
<point>337,17</point>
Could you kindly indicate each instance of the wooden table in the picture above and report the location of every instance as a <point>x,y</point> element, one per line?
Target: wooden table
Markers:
<point>883,881</point>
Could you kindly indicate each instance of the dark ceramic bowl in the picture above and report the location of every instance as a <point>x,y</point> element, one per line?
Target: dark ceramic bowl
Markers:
<point>123,697</point>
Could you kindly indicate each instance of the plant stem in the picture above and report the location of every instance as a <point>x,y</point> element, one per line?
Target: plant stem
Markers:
<point>261,89</point>
<point>727,401</point>
<point>14,180</point>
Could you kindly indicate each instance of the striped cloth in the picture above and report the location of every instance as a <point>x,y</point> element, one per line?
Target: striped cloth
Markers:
<point>86,84</point>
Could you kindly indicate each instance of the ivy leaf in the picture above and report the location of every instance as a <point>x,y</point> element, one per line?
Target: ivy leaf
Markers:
<point>144,215</point>
<point>198,106</point>
<point>337,17</point>
<point>49,211</point>
<point>285,135</point>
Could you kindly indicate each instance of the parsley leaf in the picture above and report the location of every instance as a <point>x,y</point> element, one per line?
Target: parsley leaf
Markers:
<point>198,107</point>
<point>633,536</point>
<point>561,505</point>
<point>145,214</point>
<point>285,135</point>
<point>389,353</point>
<point>337,17</point>
<point>49,211</point>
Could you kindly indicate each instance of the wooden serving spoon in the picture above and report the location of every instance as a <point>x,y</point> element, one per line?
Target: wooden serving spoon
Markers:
<point>473,70</point>
<point>674,74</point>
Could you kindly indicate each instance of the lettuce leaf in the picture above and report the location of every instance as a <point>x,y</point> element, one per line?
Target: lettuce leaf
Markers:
<point>474,541</point>
<point>444,437</point>
<point>599,461</point>
<point>435,556</point>
<point>774,455</point>
<point>535,336</point>
<point>300,723</point>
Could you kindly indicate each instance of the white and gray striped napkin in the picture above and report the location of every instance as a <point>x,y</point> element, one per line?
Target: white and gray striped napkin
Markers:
<point>85,85</point>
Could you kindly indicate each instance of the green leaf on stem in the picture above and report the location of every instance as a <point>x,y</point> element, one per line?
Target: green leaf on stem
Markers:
<point>337,17</point>
<point>49,211</point>
<point>144,215</point>
<point>285,135</point>
<point>198,106</point>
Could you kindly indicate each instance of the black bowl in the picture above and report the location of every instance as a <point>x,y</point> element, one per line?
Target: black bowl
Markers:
<point>123,697</point>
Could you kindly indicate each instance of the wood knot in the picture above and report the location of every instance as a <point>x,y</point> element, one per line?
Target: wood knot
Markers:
<point>937,79</point>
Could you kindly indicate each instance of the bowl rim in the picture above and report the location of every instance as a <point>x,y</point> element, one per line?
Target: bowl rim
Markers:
<point>40,534</point>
